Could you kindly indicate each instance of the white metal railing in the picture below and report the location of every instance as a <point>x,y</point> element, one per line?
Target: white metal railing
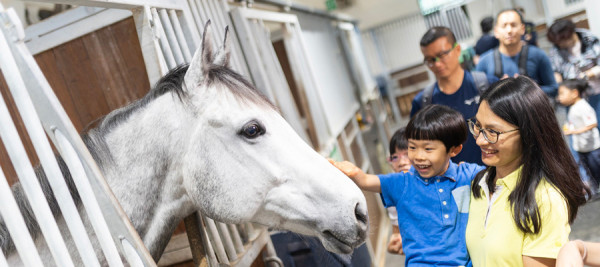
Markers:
<point>169,33</point>
<point>40,110</point>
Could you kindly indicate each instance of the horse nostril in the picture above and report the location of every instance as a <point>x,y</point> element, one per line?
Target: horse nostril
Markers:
<point>361,215</point>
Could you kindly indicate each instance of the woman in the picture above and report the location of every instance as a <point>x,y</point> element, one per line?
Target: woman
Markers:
<point>522,204</point>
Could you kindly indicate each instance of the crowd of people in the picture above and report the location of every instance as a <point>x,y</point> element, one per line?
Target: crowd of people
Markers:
<point>485,173</point>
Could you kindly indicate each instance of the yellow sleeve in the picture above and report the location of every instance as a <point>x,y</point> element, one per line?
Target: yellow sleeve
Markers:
<point>555,224</point>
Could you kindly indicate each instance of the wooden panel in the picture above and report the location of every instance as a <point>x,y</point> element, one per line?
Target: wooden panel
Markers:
<point>90,76</point>
<point>413,79</point>
<point>47,63</point>
<point>109,60</point>
<point>74,64</point>
<point>405,103</point>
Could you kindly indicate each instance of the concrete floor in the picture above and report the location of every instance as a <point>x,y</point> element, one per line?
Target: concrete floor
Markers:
<point>586,227</point>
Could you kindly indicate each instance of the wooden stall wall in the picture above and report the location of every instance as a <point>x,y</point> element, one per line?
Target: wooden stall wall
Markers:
<point>91,76</point>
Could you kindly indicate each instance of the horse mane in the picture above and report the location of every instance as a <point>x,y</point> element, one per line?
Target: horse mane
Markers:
<point>6,243</point>
<point>173,81</point>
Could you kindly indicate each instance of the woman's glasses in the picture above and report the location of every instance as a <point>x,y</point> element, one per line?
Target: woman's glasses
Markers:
<point>488,134</point>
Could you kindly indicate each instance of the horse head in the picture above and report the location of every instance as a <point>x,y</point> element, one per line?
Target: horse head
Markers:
<point>244,162</point>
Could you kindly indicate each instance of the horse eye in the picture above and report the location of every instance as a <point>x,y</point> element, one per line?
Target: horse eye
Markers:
<point>252,130</point>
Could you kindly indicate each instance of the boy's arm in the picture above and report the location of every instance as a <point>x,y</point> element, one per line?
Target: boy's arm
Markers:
<point>582,129</point>
<point>368,182</point>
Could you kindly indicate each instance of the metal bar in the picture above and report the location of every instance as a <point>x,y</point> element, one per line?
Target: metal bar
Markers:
<point>12,216</point>
<point>226,237</point>
<point>210,251</point>
<point>192,228</point>
<point>187,56</point>
<point>3,262</point>
<point>213,234</point>
<point>88,199</point>
<point>120,4</point>
<point>48,161</point>
<point>170,35</point>
<point>237,240</point>
<point>162,38</point>
<point>203,12</point>
<point>156,66</point>
<point>259,241</point>
<point>20,160</point>
<point>237,56</point>
<point>195,15</point>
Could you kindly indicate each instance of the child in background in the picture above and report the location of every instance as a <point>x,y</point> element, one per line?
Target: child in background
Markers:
<point>400,163</point>
<point>582,125</point>
<point>432,199</point>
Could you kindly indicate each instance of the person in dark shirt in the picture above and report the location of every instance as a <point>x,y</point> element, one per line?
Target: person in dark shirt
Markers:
<point>487,40</point>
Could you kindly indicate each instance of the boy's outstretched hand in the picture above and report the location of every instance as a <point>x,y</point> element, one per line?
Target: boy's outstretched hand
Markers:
<point>348,168</point>
<point>365,181</point>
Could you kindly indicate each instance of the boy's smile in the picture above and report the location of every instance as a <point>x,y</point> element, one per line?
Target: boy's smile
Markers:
<point>429,157</point>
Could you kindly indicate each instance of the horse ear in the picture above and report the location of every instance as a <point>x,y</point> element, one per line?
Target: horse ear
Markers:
<point>223,54</point>
<point>203,58</point>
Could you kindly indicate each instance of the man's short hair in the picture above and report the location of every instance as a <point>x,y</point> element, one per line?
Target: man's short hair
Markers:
<point>487,24</point>
<point>435,33</point>
<point>437,122</point>
<point>561,30</point>
<point>509,10</point>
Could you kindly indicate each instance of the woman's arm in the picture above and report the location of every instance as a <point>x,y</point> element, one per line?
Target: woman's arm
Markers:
<point>538,262</point>
<point>578,253</point>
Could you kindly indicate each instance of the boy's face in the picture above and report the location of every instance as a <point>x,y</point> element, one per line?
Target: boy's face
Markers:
<point>566,96</point>
<point>429,157</point>
<point>399,160</point>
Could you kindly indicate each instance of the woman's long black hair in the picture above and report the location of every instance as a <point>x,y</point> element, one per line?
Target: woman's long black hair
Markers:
<point>521,102</point>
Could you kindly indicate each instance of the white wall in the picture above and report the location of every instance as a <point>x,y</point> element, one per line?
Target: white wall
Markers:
<point>558,8</point>
<point>592,7</point>
<point>370,13</point>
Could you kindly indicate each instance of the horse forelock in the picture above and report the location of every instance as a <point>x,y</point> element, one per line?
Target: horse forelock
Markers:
<point>238,86</point>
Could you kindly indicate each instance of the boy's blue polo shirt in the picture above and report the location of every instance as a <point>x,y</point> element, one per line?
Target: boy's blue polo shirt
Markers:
<point>432,213</point>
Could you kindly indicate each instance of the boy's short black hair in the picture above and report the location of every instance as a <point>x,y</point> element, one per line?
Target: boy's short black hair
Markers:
<point>437,122</point>
<point>398,141</point>
<point>435,33</point>
<point>576,84</point>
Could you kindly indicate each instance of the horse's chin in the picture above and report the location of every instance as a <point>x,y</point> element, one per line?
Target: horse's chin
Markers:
<point>336,245</point>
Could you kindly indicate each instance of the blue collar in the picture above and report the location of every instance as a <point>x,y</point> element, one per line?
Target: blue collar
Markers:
<point>450,173</point>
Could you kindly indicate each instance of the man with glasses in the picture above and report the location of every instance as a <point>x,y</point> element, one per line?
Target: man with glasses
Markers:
<point>514,57</point>
<point>454,87</point>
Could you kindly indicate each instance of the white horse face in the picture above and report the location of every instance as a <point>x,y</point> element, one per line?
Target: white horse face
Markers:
<point>245,163</point>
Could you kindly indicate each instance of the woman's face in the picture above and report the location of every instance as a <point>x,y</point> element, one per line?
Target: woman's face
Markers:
<point>505,154</point>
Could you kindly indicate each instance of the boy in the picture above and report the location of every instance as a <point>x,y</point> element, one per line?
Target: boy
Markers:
<point>400,163</point>
<point>582,125</point>
<point>432,199</point>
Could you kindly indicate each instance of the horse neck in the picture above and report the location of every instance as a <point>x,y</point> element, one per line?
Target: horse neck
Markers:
<point>142,169</point>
